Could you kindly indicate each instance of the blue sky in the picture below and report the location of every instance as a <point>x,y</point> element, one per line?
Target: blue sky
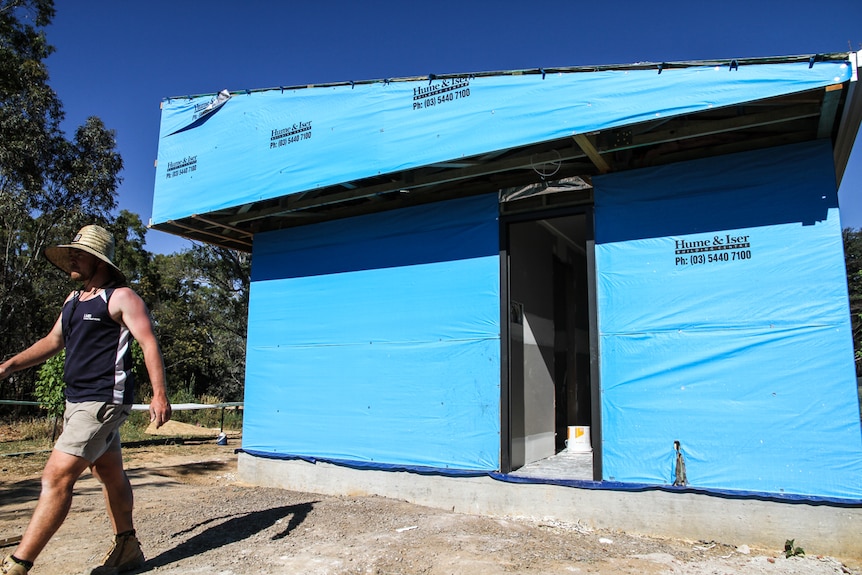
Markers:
<point>119,59</point>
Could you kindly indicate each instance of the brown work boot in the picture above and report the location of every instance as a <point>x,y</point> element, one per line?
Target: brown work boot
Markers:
<point>125,554</point>
<point>12,567</point>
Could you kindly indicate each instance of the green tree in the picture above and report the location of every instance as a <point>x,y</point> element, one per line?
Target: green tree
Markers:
<point>29,122</point>
<point>201,319</point>
<point>50,386</point>
<point>226,276</point>
<point>132,257</point>
<point>49,185</point>
<point>853,262</point>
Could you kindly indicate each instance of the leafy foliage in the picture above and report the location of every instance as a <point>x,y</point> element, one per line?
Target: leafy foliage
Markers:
<point>791,550</point>
<point>853,262</point>
<point>201,319</point>
<point>139,370</point>
<point>49,186</point>
<point>50,385</point>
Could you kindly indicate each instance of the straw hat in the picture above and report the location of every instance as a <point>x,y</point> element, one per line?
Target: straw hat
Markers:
<point>92,239</point>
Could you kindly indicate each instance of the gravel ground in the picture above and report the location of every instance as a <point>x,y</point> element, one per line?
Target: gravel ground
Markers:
<point>194,517</point>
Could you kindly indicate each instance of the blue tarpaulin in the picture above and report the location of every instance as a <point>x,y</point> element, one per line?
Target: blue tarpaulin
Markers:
<point>377,339</point>
<point>724,325</point>
<point>266,144</point>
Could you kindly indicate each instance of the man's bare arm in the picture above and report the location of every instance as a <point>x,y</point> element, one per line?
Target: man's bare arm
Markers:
<point>127,307</point>
<point>42,350</point>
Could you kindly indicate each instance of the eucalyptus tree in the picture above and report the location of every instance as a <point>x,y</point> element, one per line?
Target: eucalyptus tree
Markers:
<point>201,318</point>
<point>853,263</point>
<point>50,185</point>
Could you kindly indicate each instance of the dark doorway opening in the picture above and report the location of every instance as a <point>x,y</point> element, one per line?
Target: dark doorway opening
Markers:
<point>550,384</point>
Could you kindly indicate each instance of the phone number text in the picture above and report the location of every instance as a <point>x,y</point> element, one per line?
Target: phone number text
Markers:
<point>711,258</point>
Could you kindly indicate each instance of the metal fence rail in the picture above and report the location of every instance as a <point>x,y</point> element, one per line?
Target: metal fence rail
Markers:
<point>146,407</point>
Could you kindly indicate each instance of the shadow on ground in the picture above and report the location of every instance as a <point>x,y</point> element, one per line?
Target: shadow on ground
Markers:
<point>236,528</point>
<point>183,472</point>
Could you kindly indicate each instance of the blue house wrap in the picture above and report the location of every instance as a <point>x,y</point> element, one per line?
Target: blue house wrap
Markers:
<point>272,143</point>
<point>725,325</point>
<point>719,317</point>
<point>378,340</point>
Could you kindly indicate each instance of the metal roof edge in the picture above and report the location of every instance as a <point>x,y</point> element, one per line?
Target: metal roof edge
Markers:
<point>659,66</point>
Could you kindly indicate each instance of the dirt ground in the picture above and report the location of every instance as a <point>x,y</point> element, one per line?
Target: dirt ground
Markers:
<point>193,517</point>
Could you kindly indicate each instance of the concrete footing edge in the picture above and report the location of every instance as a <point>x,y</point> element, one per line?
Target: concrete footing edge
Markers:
<point>821,529</point>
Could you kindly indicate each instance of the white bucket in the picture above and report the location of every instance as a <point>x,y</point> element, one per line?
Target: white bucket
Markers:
<point>579,439</point>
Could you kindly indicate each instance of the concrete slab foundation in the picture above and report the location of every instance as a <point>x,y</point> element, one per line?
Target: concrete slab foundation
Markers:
<point>821,528</point>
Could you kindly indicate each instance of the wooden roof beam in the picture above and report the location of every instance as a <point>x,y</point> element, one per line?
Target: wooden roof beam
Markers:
<point>590,150</point>
<point>199,231</point>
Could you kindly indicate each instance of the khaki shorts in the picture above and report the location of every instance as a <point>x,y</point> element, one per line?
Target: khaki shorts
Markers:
<point>91,428</point>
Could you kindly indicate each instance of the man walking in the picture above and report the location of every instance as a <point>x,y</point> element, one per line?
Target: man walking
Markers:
<point>96,328</point>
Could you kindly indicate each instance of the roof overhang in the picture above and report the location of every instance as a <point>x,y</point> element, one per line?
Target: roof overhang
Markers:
<point>833,111</point>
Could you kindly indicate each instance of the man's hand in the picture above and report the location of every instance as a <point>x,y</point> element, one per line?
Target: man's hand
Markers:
<point>160,411</point>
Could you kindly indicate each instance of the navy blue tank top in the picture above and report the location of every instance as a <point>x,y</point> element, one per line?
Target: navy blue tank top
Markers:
<point>98,352</point>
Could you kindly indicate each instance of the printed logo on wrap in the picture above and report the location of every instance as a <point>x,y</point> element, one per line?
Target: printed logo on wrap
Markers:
<point>717,248</point>
<point>441,92</point>
<point>202,113</point>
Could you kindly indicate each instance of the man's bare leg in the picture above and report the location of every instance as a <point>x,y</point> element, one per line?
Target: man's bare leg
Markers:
<point>125,552</point>
<point>58,478</point>
<point>119,500</point>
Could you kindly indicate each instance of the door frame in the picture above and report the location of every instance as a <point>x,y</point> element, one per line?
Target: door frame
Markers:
<point>505,336</point>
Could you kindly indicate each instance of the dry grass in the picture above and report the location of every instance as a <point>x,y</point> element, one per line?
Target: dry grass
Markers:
<point>35,434</point>
<point>26,443</point>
